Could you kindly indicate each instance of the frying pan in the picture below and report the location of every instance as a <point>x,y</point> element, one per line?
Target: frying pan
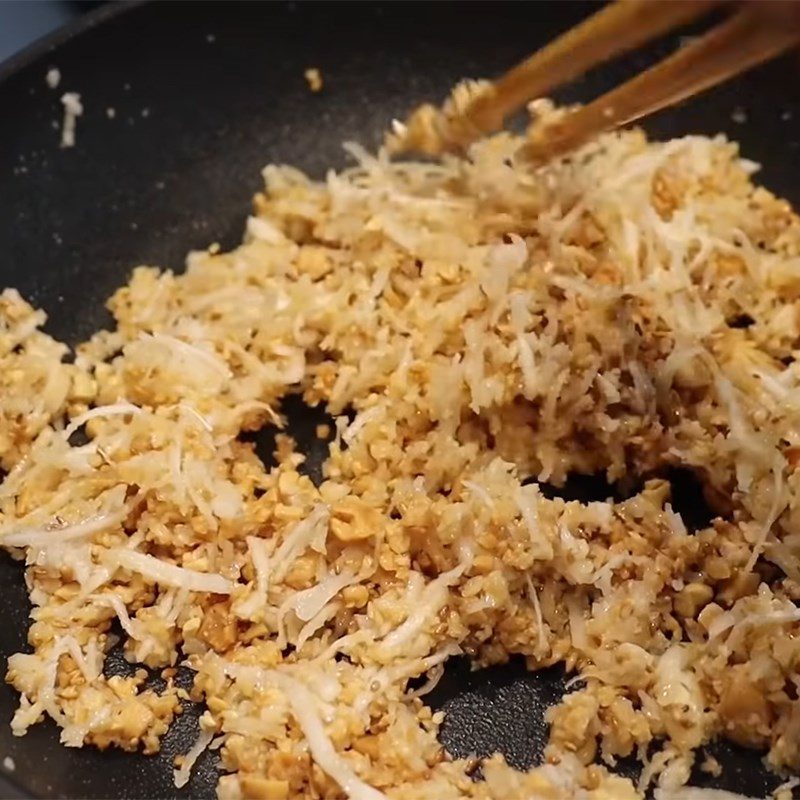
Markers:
<point>204,95</point>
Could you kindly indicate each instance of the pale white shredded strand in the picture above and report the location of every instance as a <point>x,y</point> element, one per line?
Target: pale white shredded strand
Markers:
<point>168,574</point>
<point>182,775</point>
<point>73,108</point>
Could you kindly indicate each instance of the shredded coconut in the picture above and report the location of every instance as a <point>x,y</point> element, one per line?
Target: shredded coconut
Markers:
<point>481,334</point>
<point>73,108</point>
<point>182,775</point>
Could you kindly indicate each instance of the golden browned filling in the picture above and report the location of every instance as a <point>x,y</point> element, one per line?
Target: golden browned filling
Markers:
<point>476,328</point>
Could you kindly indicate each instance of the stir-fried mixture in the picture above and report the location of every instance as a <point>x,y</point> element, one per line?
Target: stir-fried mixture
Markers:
<point>477,327</point>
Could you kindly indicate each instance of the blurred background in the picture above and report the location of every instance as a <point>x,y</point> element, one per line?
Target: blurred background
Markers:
<point>25,21</point>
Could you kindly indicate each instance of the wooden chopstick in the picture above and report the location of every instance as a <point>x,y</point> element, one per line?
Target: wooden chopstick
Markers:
<point>618,28</point>
<point>755,34</point>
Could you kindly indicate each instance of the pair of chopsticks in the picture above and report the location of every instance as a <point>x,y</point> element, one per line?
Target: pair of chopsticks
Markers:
<point>755,32</point>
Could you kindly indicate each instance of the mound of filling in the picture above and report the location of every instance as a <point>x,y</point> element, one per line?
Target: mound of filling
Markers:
<point>476,328</point>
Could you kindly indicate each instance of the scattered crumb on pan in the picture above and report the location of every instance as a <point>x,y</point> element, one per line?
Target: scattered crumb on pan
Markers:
<point>53,78</point>
<point>739,115</point>
<point>314,79</point>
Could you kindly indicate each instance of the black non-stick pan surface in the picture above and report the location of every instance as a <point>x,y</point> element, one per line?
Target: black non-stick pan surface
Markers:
<point>204,95</point>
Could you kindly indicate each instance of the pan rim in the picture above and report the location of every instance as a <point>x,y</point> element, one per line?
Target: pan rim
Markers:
<point>50,42</point>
